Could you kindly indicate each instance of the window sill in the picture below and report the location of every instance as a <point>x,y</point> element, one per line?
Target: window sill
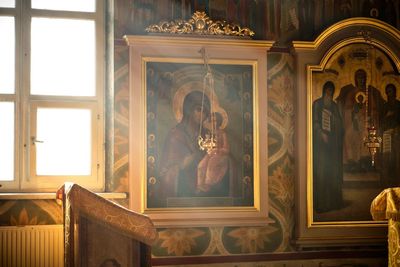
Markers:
<point>27,196</point>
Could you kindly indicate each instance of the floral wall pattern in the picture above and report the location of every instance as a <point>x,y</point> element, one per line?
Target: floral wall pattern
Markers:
<point>121,120</point>
<point>30,212</point>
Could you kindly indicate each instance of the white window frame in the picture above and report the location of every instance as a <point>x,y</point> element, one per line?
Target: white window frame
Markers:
<point>26,104</point>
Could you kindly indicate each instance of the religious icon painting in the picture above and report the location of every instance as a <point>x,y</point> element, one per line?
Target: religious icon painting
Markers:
<point>185,109</point>
<point>347,101</point>
<point>198,130</point>
<point>350,145</point>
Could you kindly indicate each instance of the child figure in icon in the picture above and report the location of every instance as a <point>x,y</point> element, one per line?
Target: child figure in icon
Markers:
<point>213,167</point>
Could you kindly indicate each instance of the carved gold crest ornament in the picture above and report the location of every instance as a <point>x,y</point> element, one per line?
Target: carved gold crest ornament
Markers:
<point>200,24</point>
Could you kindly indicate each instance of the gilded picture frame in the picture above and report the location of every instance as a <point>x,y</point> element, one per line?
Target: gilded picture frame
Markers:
<point>172,179</point>
<point>342,79</point>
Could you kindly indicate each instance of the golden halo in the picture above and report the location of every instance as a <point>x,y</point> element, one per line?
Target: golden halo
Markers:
<point>363,99</point>
<point>329,77</point>
<point>179,96</point>
<point>224,115</point>
<point>385,81</point>
<point>177,104</point>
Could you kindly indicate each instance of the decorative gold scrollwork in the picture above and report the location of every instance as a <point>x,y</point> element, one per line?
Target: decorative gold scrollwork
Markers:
<point>200,24</point>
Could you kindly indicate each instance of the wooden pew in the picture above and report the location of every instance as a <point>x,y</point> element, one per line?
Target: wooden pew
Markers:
<point>100,233</point>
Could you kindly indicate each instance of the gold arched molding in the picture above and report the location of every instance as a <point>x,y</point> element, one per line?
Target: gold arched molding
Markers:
<point>347,23</point>
<point>358,40</point>
<point>351,28</point>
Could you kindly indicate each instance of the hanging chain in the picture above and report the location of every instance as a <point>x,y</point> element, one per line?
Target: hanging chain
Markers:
<point>205,60</point>
<point>210,142</point>
<point>372,141</point>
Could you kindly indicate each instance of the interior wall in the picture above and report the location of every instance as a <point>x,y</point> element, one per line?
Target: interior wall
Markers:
<point>228,240</point>
<point>277,20</point>
<point>216,240</point>
<point>282,21</point>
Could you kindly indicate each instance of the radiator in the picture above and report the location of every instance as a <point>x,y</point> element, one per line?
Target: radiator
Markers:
<point>32,246</point>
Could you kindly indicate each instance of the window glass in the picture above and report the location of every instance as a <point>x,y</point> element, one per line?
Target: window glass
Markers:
<point>7,3</point>
<point>63,141</point>
<point>67,5</point>
<point>63,57</point>
<point>7,141</point>
<point>52,56</point>
<point>7,55</point>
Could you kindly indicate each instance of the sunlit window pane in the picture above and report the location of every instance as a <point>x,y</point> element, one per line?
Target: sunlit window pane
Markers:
<point>63,57</point>
<point>7,3</point>
<point>7,55</point>
<point>63,144</point>
<point>67,5</point>
<point>6,141</point>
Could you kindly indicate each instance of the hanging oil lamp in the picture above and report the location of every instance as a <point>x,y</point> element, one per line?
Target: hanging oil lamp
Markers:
<point>371,141</point>
<point>210,141</point>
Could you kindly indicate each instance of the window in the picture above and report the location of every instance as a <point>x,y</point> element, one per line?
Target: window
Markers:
<point>51,94</point>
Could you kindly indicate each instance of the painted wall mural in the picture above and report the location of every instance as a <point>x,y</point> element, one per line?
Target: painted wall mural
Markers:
<point>279,20</point>
<point>30,212</point>
<point>276,19</point>
<point>228,240</point>
<point>121,120</point>
<point>273,238</point>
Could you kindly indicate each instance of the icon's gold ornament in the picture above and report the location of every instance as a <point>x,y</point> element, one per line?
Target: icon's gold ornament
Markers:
<point>208,144</point>
<point>200,24</point>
